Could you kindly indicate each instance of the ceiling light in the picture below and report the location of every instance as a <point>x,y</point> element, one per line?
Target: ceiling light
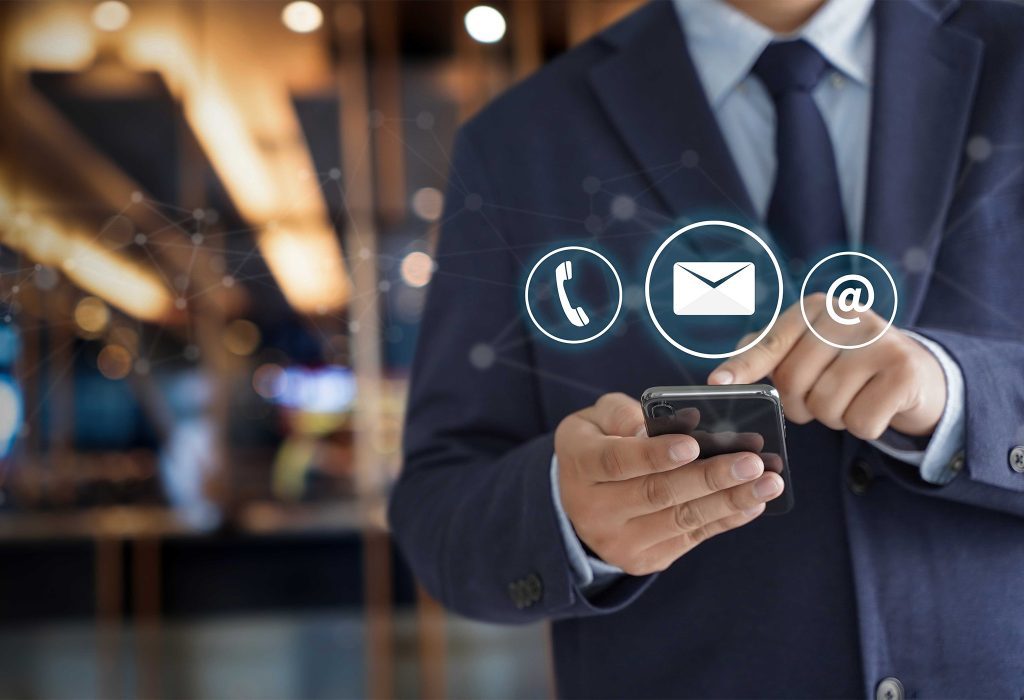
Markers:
<point>485,24</point>
<point>302,16</point>
<point>111,15</point>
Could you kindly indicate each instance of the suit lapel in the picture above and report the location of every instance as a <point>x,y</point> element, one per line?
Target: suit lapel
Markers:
<point>653,97</point>
<point>925,76</point>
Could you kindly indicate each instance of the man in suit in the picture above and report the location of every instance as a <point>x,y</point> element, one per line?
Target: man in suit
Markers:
<point>529,490</point>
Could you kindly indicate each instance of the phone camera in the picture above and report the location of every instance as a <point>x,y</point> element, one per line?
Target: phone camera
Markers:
<point>662,410</point>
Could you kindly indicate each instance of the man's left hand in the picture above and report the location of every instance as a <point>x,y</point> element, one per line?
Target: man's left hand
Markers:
<point>893,382</point>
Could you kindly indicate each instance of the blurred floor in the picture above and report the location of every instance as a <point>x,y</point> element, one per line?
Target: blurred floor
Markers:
<point>270,656</point>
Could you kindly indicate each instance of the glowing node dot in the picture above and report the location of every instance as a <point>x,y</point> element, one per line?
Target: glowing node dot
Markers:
<point>593,224</point>
<point>482,356</point>
<point>425,120</point>
<point>623,207</point>
<point>689,159</point>
<point>197,239</point>
<point>591,185</point>
<point>228,281</point>
<point>474,202</point>
<point>140,239</point>
<point>334,173</point>
<point>979,148</point>
<point>915,259</point>
<point>136,196</point>
<point>191,353</point>
<point>180,304</point>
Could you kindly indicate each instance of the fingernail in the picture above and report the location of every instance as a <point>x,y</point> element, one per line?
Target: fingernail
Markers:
<point>746,468</point>
<point>642,432</point>
<point>767,487</point>
<point>753,511</point>
<point>721,376</point>
<point>682,451</point>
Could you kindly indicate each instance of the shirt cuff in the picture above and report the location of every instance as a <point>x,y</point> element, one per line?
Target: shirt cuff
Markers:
<point>938,460</point>
<point>591,573</point>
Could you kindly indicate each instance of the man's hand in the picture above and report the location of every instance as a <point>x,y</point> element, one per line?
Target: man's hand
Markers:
<point>640,503</point>
<point>894,382</point>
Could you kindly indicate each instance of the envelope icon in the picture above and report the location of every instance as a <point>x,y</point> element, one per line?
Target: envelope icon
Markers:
<point>713,288</point>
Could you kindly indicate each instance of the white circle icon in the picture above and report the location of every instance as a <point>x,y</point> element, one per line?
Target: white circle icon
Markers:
<point>849,299</point>
<point>576,315</point>
<point>676,343</point>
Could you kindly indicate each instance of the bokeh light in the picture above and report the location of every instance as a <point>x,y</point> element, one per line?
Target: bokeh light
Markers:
<point>111,15</point>
<point>241,337</point>
<point>302,16</point>
<point>417,268</point>
<point>266,380</point>
<point>427,203</point>
<point>114,362</point>
<point>92,315</point>
<point>485,24</point>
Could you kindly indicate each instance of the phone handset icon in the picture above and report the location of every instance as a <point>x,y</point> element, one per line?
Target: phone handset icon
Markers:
<point>576,315</point>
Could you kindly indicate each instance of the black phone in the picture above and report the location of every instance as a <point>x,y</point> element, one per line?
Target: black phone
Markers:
<point>724,419</point>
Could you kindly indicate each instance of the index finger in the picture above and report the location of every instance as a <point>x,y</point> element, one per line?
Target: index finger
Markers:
<point>759,361</point>
<point>617,414</point>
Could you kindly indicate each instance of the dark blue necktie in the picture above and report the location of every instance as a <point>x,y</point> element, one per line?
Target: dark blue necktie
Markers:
<point>806,210</point>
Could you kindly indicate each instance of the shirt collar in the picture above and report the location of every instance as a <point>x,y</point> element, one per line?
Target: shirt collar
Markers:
<point>725,43</point>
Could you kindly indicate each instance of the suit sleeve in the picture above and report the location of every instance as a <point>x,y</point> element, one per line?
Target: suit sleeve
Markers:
<point>472,510</point>
<point>994,424</point>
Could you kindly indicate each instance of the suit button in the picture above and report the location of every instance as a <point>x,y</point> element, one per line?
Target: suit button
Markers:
<point>533,588</point>
<point>858,478</point>
<point>889,689</point>
<point>517,592</point>
<point>1017,459</point>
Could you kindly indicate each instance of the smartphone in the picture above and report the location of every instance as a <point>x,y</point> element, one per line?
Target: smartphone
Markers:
<point>724,419</point>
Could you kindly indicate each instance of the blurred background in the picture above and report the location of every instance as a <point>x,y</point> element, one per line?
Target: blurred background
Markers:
<point>216,226</point>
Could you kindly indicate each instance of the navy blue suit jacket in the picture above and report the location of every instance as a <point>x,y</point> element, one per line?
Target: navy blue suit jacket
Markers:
<point>892,577</point>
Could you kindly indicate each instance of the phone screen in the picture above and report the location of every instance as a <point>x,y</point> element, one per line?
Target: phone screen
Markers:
<point>723,422</point>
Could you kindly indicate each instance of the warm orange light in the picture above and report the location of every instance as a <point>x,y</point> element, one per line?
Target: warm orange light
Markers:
<point>53,37</point>
<point>92,267</point>
<point>307,264</point>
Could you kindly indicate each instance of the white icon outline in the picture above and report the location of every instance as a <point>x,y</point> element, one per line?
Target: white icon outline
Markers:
<point>673,341</point>
<point>569,341</point>
<point>892,316</point>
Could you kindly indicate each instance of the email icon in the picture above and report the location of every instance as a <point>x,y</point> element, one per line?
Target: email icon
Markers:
<point>713,289</point>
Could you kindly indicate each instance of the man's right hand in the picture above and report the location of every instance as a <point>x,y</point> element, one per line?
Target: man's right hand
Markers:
<point>641,502</point>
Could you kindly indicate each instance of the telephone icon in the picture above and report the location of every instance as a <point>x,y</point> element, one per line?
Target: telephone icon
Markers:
<point>576,315</point>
